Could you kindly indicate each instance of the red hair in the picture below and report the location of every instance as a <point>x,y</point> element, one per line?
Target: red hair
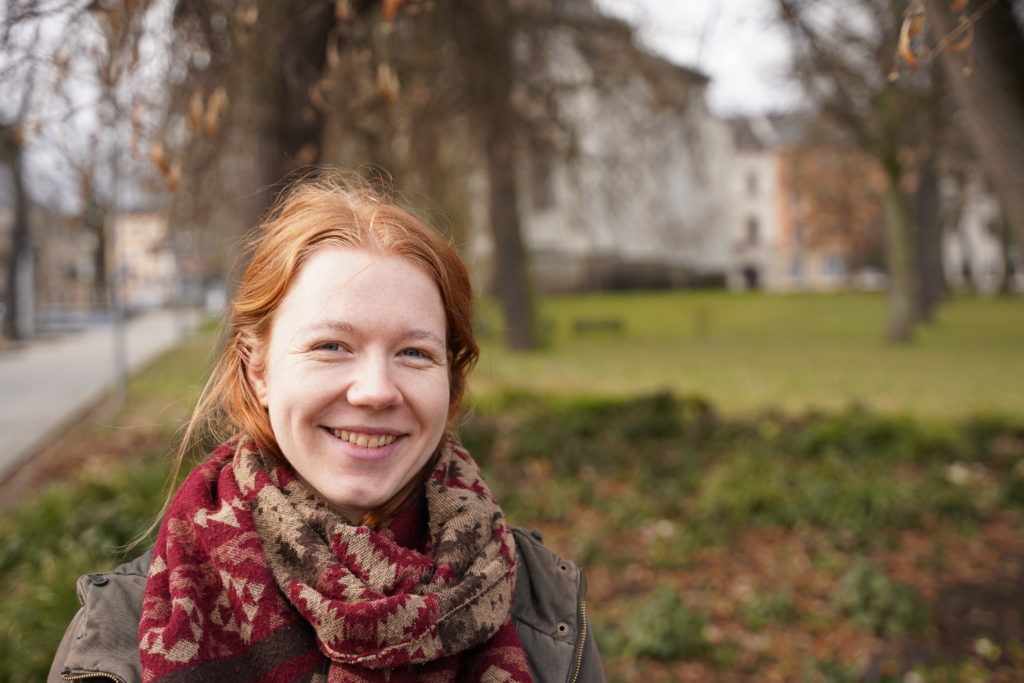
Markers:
<point>312,214</point>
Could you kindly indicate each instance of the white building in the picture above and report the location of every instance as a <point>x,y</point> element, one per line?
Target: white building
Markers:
<point>638,202</point>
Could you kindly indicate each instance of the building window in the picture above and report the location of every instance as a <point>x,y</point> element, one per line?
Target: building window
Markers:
<point>751,183</point>
<point>542,190</point>
<point>796,268</point>
<point>835,265</point>
<point>753,231</point>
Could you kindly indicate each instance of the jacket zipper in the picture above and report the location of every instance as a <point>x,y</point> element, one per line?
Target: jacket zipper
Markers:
<point>77,677</point>
<point>581,614</point>
<point>583,641</point>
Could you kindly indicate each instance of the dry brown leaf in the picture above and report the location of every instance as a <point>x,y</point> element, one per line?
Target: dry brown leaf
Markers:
<point>387,82</point>
<point>306,155</point>
<point>195,109</point>
<point>218,101</point>
<point>158,155</point>
<point>389,9</point>
<point>905,49</point>
<point>342,10</point>
<point>332,55</point>
<point>247,15</point>
<point>916,23</point>
<point>215,106</point>
<point>964,42</point>
<point>174,177</point>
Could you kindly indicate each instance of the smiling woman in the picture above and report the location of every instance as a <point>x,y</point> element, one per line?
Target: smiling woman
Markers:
<point>339,532</point>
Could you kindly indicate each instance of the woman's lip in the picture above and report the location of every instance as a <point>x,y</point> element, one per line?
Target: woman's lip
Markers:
<point>369,431</point>
<point>368,453</point>
<point>366,446</point>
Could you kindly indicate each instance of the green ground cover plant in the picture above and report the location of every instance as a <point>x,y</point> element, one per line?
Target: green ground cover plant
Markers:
<point>872,600</point>
<point>68,530</point>
<point>659,626</point>
<point>73,508</point>
<point>767,536</point>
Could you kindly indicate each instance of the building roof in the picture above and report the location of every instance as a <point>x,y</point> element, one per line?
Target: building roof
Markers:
<point>770,131</point>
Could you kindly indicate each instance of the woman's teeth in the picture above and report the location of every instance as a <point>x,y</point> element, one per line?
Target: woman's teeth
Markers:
<point>365,440</point>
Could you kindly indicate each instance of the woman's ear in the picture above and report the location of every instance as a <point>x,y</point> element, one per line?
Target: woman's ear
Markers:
<point>256,371</point>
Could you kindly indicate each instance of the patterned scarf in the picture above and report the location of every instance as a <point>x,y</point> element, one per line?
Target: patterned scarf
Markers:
<point>253,574</point>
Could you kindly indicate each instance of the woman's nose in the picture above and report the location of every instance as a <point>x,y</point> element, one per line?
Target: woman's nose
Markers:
<point>373,385</point>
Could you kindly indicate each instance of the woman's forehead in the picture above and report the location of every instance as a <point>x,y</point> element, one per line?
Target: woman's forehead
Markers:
<point>343,285</point>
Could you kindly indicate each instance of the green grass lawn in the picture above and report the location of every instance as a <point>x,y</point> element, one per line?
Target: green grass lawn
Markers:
<point>750,353</point>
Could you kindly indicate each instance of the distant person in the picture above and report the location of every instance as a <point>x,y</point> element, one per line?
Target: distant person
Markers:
<point>339,532</point>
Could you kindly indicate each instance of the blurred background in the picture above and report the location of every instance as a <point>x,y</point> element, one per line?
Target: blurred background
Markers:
<point>749,277</point>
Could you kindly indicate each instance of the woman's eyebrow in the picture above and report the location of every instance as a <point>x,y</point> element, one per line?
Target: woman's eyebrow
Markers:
<point>336,326</point>
<point>342,327</point>
<point>425,335</point>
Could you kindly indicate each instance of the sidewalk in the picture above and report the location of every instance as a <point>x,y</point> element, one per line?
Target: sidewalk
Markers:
<point>48,383</point>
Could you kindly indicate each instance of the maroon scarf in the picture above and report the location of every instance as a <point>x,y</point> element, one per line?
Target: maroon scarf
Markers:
<point>254,575</point>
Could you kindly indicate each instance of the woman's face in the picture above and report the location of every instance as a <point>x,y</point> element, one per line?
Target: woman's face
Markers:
<point>354,375</point>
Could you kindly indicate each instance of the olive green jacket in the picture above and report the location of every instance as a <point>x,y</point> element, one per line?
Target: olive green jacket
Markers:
<point>102,641</point>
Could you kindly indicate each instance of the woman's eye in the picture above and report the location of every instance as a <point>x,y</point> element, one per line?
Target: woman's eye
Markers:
<point>416,353</point>
<point>328,346</point>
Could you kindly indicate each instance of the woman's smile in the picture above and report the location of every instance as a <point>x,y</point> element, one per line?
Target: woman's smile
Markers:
<point>363,439</point>
<point>365,446</point>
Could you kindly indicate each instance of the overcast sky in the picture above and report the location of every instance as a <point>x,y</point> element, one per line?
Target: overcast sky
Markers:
<point>733,41</point>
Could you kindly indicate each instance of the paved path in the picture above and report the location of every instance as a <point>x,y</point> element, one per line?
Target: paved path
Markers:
<point>48,383</point>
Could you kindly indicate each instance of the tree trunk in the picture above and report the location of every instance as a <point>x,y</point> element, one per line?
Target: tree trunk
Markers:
<point>485,43</point>
<point>18,295</point>
<point>95,221</point>
<point>928,242</point>
<point>991,97</point>
<point>301,123</point>
<point>899,255</point>
<point>511,283</point>
<point>269,126</point>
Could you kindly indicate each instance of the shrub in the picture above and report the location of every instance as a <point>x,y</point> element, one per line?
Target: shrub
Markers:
<point>661,627</point>
<point>768,488</point>
<point>46,544</point>
<point>873,601</point>
<point>769,607</point>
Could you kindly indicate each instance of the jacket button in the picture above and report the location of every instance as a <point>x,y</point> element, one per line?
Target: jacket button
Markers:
<point>563,628</point>
<point>98,580</point>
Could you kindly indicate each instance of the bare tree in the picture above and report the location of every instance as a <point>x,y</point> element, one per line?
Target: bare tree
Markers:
<point>463,92</point>
<point>437,94</point>
<point>239,114</point>
<point>844,59</point>
<point>19,255</point>
<point>428,98</point>
<point>840,189</point>
<point>982,50</point>
<point>488,65</point>
<point>19,286</point>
